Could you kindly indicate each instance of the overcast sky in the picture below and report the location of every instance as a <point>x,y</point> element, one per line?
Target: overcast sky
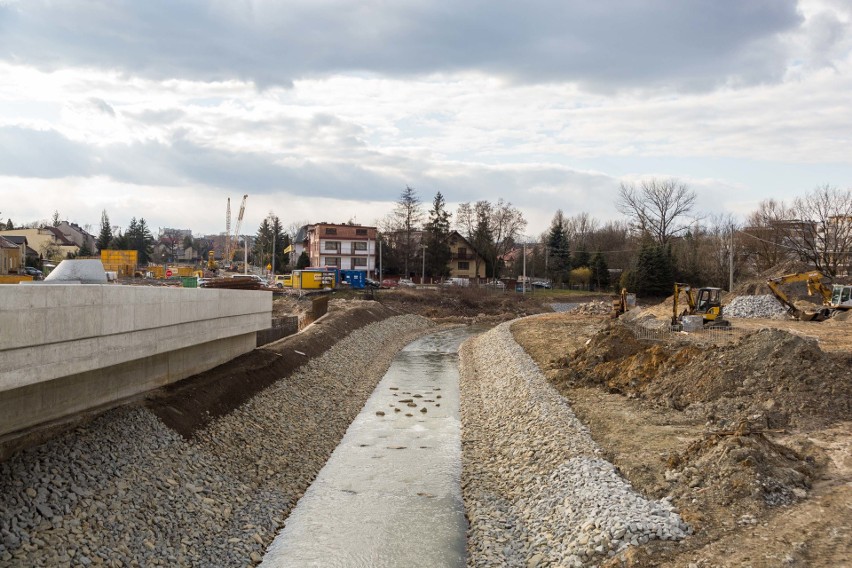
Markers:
<point>324,110</point>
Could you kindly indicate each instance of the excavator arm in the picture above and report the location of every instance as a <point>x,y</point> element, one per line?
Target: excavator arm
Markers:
<point>813,280</point>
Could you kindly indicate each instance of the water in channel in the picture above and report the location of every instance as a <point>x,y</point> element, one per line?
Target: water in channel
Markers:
<point>390,495</point>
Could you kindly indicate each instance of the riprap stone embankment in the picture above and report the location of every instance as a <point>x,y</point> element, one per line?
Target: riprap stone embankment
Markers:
<point>536,489</point>
<point>126,490</point>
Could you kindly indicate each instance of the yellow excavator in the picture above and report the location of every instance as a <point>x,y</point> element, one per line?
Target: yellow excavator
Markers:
<point>706,302</point>
<point>834,299</point>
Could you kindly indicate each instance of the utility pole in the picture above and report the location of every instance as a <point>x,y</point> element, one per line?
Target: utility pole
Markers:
<point>273,249</point>
<point>731,262</point>
<point>423,270</point>
<point>379,242</point>
<point>524,280</point>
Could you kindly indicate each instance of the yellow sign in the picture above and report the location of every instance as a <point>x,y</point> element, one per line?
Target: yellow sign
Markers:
<point>269,266</point>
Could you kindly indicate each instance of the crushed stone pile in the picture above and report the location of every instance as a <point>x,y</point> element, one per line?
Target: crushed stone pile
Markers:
<point>536,489</point>
<point>593,308</point>
<point>784,378</point>
<point>764,306</point>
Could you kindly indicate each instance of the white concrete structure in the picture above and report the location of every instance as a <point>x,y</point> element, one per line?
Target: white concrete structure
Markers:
<point>68,348</point>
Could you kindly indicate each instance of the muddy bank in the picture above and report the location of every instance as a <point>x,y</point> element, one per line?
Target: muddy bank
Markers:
<point>192,404</point>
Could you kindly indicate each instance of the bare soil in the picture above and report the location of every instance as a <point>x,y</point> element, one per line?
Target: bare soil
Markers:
<point>751,441</point>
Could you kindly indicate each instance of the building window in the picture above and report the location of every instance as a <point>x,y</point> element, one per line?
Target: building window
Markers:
<point>359,246</point>
<point>462,252</point>
<point>361,231</point>
<point>464,266</point>
<point>332,245</point>
<point>330,231</point>
<point>359,262</point>
<point>332,261</point>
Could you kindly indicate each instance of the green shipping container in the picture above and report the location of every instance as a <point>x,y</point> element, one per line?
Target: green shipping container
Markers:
<point>189,281</point>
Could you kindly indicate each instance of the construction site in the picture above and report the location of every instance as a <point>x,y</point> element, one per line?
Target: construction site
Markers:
<point>595,431</point>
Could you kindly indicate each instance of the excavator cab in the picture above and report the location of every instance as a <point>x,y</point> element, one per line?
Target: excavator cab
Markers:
<point>706,302</point>
<point>709,303</point>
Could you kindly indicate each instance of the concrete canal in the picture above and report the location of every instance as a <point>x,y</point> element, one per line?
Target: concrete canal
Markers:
<point>390,494</point>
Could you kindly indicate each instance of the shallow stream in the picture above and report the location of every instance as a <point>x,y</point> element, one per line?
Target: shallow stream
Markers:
<point>390,495</point>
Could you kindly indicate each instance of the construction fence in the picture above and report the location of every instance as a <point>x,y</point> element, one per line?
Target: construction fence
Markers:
<point>643,331</point>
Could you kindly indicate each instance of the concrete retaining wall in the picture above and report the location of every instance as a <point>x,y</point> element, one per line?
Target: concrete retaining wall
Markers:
<point>281,328</point>
<point>67,348</point>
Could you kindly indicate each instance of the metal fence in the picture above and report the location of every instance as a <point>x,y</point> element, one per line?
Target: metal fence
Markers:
<point>665,334</point>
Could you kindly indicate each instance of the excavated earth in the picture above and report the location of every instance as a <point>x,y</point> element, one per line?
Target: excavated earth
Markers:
<point>750,440</point>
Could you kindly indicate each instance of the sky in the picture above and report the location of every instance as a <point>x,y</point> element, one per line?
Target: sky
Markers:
<point>325,110</point>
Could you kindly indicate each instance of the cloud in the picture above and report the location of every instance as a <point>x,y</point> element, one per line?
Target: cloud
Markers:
<point>604,44</point>
<point>41,154</point>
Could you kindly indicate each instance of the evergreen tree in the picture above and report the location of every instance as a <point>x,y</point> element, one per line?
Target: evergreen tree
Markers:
<point>84,249</point>
<point>9,225</point>
<point>263,243</point>
<point>105,235</point>
<point>558,252</point>
<point>144,242</point>
<point>55,221</point>
<point>304,261</point>
<point>582,259</point>
<point>600,272</point>
<point>654,274</point>
<point>437,235</point>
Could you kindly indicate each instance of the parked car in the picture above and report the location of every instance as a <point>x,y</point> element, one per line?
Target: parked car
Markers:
<point>499,284</point>
<point>541,284</point>
<point>389,283</point>
<point>370,283</point>
<point>406,283</point>
<point>283,280</point>
<point>34,272</point>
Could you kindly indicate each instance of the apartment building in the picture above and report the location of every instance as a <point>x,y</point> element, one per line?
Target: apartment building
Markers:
<point>349,247</point>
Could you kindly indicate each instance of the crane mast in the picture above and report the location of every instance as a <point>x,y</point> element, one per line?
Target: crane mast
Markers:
<point>227,255</point>
<point>239,225</point>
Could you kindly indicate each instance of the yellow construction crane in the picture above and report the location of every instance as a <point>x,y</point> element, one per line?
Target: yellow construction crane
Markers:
<point>239,225</point>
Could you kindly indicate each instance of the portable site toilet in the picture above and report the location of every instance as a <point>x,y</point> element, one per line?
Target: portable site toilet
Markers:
<point>356,279</point>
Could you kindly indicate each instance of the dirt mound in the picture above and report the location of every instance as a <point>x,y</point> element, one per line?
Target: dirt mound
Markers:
<point>740,471</point>
<point>782,378</point>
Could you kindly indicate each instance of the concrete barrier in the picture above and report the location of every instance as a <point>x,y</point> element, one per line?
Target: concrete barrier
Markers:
<point>69,348</point>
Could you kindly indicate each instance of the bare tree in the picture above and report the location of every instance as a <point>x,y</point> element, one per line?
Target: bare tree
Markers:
<point>657,207</point>
<point>579,229</point>
<point>408,214</point>
<point>765,239</point>
<point>826,229</point>
<point>507,223</point>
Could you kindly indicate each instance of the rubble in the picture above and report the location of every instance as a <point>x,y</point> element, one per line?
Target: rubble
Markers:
<point>765,306</point>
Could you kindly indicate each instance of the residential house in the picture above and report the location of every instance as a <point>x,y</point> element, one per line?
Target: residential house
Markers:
<point>349,247</point>
<point>77,235</point>
<point>49,242</point>
<point>465,262</point>
<point>29,255</point>
<point>11,259</point>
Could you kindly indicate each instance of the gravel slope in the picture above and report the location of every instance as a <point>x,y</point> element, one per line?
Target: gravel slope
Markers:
<point>127,490</point>
<point>536,490</point>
